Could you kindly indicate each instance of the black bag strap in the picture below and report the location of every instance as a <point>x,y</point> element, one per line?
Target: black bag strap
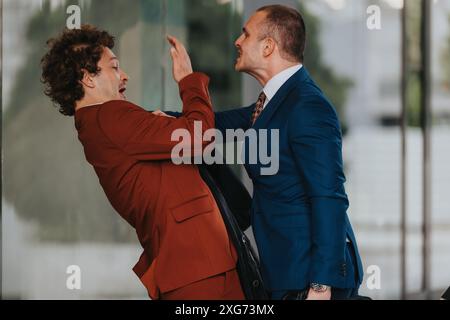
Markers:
<point>248,264</point>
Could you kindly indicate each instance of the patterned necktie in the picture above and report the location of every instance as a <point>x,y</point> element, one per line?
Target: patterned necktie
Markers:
<point>258,107</point>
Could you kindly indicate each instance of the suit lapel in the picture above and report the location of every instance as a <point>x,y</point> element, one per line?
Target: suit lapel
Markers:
<point>265,116</point>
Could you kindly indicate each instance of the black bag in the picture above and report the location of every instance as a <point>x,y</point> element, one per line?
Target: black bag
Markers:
<point>234,203</point>
<point>446,294</point>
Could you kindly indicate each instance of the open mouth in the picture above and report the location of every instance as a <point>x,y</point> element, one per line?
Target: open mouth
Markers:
<point>122,92</point>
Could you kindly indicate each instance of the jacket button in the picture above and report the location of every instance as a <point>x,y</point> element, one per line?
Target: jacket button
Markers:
<point>343,269</point>
<point>255,283</point>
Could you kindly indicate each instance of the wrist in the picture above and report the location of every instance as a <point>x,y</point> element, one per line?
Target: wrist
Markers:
<point>184,76</point>
<point>319,288</point>
<point>193,79</point>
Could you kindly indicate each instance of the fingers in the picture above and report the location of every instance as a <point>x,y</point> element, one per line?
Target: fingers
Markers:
<point>173,49</point>
<point>173,42</point>
<point>173,53</point>
<point>161,114</point>
<point>176,44</point>
<point>181,62</point>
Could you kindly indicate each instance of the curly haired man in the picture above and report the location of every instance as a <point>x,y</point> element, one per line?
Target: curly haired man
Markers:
<point>187,253</point>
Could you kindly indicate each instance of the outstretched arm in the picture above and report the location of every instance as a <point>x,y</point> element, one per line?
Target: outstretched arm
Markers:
<point>234,119</point>
<point>231,119</point>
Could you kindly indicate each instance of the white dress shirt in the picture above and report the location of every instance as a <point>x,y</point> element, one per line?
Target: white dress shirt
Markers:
<point>274,84</point>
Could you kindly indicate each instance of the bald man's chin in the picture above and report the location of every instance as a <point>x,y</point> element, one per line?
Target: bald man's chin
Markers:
<point>237,67</point>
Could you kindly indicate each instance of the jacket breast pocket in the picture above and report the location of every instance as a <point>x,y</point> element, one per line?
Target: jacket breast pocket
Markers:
<point>191,208</point>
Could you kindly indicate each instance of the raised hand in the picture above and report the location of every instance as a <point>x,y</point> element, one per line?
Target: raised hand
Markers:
<point>181,63</point>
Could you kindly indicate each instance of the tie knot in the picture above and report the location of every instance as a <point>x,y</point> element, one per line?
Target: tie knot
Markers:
<point>258,107</point>
<point>262,97</point>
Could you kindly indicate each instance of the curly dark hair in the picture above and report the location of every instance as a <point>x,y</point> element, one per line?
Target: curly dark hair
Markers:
<point>72,52</point>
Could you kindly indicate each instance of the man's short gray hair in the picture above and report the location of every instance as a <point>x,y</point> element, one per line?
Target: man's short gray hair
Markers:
<point>286,26</point>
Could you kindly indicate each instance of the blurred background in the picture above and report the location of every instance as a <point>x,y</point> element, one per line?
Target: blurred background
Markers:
<point>390,85</point>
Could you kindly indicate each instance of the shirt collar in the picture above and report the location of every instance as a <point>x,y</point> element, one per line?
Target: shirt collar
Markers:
<point>275,83</point>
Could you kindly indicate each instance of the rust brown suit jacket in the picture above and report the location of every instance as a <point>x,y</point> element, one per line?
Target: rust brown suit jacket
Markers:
<point>173,211</point>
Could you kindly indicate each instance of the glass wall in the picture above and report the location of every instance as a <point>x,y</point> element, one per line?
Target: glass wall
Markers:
<point>55,213</point>
<point>440,147</point>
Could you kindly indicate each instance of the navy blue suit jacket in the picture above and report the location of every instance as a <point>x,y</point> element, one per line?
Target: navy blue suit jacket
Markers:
<point>299,214</point>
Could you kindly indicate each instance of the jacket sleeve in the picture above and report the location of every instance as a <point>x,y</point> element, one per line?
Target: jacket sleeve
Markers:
<point>231,119</point>
<point>145,136</point>
<point>234,119</point>
<point>315,139</point>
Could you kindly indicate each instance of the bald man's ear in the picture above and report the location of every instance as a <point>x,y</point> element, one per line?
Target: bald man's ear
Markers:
<point>269,46</point>
<point>88,79</point>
